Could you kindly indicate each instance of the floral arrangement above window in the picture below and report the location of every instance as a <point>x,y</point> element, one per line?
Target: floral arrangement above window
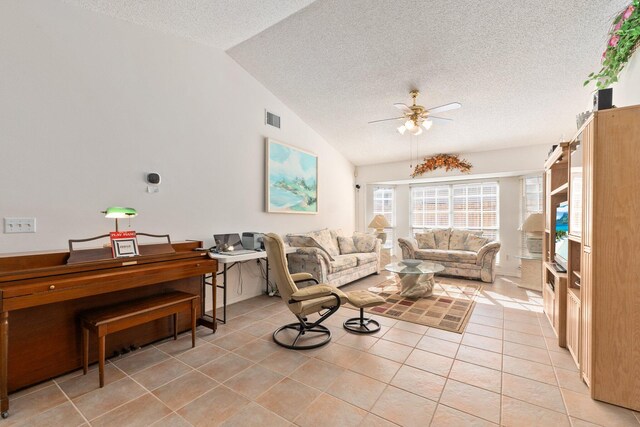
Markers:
<point>440,161</point>
<point>624,38</point>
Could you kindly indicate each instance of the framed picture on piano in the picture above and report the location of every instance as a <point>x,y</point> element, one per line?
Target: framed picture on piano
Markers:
<point>124,244</point>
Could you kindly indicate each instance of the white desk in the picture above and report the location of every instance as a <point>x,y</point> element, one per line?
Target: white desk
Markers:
<point>228,261</point>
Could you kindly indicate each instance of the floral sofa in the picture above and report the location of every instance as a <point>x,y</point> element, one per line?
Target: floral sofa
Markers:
<point>333,258</point>
<point>463,253</point>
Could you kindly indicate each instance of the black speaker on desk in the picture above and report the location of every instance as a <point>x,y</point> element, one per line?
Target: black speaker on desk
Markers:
<point>603,99</point>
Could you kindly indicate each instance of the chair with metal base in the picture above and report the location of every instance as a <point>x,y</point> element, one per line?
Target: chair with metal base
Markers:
<point>363,299</point>
<point>319,298</point>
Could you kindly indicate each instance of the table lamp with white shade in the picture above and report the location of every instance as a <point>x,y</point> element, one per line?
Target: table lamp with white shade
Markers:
<point>533,226</point>
<point>379,222</point>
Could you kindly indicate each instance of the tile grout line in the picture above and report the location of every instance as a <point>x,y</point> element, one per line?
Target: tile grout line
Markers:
<point>72,403</point>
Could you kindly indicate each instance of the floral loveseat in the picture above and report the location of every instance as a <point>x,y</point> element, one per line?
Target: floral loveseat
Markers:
<point>333,258</point>
<point>463,253</point>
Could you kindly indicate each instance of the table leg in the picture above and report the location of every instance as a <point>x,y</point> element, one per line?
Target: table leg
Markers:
<point>267,274</point>
<point>4,372</point>
<point>224,294</point>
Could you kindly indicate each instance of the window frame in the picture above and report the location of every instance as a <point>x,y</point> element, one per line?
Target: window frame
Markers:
<point>389,243</point>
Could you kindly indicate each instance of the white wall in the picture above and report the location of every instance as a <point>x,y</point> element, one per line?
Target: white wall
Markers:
<point>505,166</point>
<point>627,91</point>
<point>89,103</point>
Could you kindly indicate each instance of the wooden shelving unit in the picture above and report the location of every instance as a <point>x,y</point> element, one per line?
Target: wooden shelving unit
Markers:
<point>593,306</point>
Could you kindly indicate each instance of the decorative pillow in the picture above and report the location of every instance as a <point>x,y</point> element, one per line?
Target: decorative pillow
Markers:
<point>304,241</point>
<point>324,239</point>
<point>474,243</point>
<point>364,242</point>
<point>457,239</point>
<point>335,233</point>
<point>347,246</point>
<point>442,238</point>
<point>426,240</point>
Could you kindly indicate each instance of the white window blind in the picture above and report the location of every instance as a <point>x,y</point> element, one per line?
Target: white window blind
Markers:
<point>531,200</point>
<point>430,207</point>
<point>384,204</point>
<point>473,206</point>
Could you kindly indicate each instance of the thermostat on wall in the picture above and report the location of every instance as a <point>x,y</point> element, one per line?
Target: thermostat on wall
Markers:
<point>153,178</point>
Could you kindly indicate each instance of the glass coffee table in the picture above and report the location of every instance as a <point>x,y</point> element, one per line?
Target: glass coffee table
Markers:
<point>418,281</point>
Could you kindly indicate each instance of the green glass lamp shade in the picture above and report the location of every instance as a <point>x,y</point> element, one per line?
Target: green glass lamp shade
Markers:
<point>120,212</point>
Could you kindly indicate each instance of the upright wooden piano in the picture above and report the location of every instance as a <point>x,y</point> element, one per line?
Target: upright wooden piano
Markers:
<point>41,296</point>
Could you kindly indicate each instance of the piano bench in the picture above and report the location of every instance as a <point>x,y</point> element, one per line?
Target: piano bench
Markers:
<point>107,320</point>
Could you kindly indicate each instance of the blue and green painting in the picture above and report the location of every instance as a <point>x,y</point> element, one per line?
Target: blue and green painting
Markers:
<point>292,179</point>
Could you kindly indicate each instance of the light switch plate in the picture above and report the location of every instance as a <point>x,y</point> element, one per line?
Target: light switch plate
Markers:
<point>19,225</point>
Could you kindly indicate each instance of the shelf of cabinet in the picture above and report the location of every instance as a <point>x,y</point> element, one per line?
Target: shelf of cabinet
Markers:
<point>576,239</point>
<point>560,190</point>
<point>575,292</point>
<point>549,266</point>
<point>577,274</point>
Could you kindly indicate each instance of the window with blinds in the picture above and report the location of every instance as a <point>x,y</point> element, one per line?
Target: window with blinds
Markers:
<point>383,204</point>
<point>531,200</point>
<point>473,206</point>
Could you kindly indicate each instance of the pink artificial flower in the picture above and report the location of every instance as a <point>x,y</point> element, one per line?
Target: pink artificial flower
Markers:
<point>613,42</point>
<point>604,55</point>
<point>618,26</point>
<point>627,13</point>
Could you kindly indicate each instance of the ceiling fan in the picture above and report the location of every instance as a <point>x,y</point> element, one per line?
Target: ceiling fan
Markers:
<point>417,117</point>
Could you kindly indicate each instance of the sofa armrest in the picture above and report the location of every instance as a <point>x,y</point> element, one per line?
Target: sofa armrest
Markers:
<point>487,253</point>
<point>310,260</point>
<point>378,249</point>
<point>311,292</point>
<point>409,246</point>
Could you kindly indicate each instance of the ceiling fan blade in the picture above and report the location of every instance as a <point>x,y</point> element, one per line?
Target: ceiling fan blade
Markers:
<point>403,108</point>
<point>439,119</point>
<point>446,107</point>
<point>386,120</point>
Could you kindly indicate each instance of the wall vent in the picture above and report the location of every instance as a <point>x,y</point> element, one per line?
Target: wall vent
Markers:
<point>272,119</point>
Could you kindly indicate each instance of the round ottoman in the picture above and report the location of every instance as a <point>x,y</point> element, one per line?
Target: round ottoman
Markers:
<point>363,299</point>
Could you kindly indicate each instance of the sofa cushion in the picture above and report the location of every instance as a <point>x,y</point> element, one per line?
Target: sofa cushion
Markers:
<point>442,238</point>
<point>346,245</point>
<point>426,240</point>
<point>343,262</point>
<point>450,255</point>
<point>457,239</point>
<point>366,258</point>
<point>364,242</point>
<point>474,243</point>
<point>323,237</point>
<point>305,241</point>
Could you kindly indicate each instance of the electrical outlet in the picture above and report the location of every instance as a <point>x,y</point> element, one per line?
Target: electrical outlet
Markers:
<point>19,225</point>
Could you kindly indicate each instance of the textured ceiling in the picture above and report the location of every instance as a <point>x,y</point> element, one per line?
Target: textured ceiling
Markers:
<point>517,68</point>
<point>219,23</point>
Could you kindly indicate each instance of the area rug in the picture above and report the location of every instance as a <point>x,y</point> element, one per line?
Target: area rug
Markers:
<point>449,308</point>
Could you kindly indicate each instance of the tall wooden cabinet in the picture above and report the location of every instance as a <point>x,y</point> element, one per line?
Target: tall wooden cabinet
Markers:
<point>600,320</point>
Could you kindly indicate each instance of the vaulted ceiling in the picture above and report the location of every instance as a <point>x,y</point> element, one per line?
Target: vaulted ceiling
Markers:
<point>517,67</point>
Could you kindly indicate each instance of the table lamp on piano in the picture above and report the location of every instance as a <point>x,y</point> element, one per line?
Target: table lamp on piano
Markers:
<point>118,212</point>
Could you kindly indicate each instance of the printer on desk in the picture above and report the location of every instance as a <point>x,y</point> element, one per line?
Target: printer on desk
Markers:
<point>252,240</point>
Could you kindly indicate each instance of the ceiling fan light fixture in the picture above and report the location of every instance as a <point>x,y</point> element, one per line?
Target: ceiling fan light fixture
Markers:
<point>409,124</point>
<point>427,124</point>
<point>417,130</point>
<point>402,129</point>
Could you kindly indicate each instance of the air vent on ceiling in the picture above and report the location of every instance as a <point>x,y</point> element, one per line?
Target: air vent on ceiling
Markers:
<point>272,119</point>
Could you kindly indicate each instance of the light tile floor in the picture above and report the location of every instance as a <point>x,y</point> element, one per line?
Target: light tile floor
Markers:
<point>504,370</point>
